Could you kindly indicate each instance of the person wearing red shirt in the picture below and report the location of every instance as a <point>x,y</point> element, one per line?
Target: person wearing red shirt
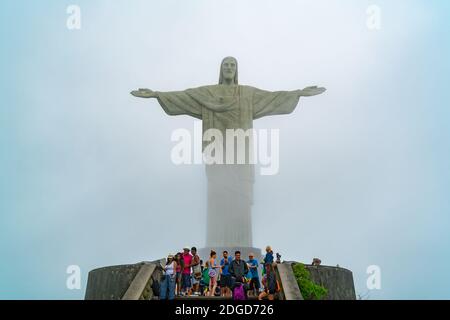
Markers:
<point>186,273</point>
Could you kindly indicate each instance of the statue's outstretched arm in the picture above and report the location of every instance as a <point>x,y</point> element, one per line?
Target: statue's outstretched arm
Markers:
<point>311,91</point>
<point>174,103</point>
<point>144,93</point>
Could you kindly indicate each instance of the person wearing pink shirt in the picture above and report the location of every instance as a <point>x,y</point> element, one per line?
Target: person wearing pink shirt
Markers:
<point>186,273</point>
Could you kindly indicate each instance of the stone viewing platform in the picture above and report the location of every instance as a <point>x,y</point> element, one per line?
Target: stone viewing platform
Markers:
<point>140,281</point>
<point>338,281</point>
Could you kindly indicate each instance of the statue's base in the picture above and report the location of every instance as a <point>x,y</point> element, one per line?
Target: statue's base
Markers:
<point>204,253</point>
<point>136,281</point>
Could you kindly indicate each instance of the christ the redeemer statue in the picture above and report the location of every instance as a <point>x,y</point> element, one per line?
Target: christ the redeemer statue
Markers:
<point>228,105</point>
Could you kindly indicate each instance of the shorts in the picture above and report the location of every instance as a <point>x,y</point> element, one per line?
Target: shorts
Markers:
<point>194,280</point>
<point>185,281</point>
<point>225,281</point>
<point>255,284</point>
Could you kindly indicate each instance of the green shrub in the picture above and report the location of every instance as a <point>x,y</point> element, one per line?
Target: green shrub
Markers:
<point>308,288</point>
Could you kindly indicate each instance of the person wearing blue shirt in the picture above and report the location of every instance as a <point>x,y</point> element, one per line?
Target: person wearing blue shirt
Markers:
<point>225,277</point>
<point>269,255</point>
<point>253,271</point>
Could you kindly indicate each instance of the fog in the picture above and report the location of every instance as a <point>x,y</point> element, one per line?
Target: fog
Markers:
<point>87,176</point>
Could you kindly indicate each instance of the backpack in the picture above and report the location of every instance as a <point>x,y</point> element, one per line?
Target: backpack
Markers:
<point>212,273</point>
<point>238,292</point>
<point>197,269</point>
<point>272,283</point>
<point>205,276</point>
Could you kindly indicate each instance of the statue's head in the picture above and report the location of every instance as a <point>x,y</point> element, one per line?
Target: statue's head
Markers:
<point>229,70</point>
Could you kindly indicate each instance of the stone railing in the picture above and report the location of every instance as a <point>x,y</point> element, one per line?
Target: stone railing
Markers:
<point>141,286</point>
<point>124,282</point>
<point>338,281</point>
<point>288,283</point>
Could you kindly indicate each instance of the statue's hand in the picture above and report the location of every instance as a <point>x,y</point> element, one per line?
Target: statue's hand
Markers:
<point>144,93</point>
<point>312,91</point>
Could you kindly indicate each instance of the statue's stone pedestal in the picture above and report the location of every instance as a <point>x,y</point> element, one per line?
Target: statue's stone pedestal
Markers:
<point>204,253</point>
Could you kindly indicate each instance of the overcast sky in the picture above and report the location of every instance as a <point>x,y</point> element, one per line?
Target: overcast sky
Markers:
<point>86,177</point>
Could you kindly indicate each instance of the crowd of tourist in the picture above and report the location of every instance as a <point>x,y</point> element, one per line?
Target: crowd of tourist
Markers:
<point>185,274</point>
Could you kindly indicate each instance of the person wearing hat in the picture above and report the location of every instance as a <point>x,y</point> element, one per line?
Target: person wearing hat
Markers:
<point>167,289</point>
<point>254,280</point>
<point>186,272</point>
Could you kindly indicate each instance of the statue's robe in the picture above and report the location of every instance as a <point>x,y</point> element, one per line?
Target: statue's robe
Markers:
<point>230,187</point>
